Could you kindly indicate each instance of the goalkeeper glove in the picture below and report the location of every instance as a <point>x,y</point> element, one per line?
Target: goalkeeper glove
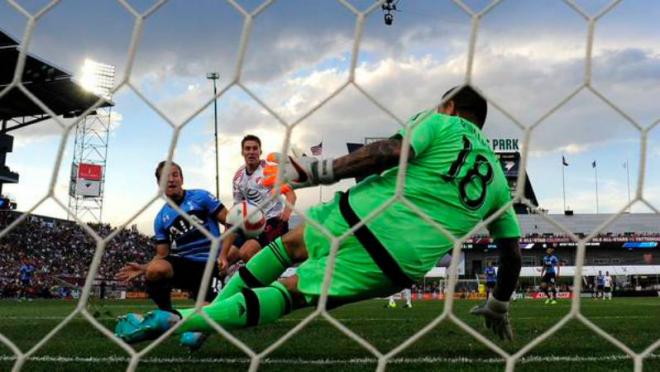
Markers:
<point>496,316</point>
<point>298,172</point>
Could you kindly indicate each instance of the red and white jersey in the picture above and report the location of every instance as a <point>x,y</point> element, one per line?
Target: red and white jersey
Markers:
<point>607,281</point>
<point>248,186</point>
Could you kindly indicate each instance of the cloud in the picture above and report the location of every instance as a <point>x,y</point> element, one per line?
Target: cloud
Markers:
<point>293,62</point>
<point>408,85</point>
<point>404,86</point>
<point>623,65</point>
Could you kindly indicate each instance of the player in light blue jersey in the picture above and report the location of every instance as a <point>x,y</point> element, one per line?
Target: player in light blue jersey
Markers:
<point>491,278</point>
<point>549,275</point>
<point>182,250</point>
<point>25,276</point>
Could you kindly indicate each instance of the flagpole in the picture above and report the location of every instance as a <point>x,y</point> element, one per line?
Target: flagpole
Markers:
<point>318,151</point>
<point>628,176</point>
<point>596,172</point>
<point>563,181</point>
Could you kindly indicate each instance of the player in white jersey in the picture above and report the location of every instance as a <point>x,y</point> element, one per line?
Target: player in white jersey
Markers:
<point>247,185</point>
<point>600,285</point>
<point>607,286</point>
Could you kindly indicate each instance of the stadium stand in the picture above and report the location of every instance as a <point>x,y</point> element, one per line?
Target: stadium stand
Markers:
<point>61,252</point>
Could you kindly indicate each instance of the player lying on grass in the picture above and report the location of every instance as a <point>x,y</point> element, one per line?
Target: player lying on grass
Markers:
<point>452,176</point>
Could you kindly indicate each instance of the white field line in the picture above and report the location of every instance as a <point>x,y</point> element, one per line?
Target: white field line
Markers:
<point>340,319</point>
<point>300,361</point>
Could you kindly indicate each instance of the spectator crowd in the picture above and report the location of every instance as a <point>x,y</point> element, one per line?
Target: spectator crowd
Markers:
<point>61,253</point>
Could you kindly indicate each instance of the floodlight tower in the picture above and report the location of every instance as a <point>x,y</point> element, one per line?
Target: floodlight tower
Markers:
<point>90,149</point>
<point>214,76</point>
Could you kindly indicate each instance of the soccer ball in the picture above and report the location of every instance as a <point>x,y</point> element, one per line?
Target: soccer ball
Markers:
<point>250,218</point>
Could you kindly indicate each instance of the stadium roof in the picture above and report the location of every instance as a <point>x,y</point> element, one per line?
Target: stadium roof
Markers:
<point>52,85</point>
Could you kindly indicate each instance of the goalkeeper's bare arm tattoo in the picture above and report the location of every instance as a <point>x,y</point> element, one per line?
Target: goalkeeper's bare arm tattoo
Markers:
<point>370,159</point>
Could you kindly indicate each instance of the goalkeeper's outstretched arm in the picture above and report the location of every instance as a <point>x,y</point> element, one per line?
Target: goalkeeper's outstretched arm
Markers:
<point>496,310</point>
<point>370,159</point>
<point>308,171</point>
<point>509,270</point>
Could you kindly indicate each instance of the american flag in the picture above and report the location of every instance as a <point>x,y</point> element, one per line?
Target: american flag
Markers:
<point>317,150</point>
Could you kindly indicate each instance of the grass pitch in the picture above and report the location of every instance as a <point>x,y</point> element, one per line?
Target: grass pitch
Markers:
<point>80,347</point>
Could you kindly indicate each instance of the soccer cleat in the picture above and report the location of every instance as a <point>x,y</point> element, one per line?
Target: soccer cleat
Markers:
<point>127,323</point>
<point>547,301</point>
<point>154,324</point>
<point>193,340</point>
<point>553,302</point>
<point>408,306</point>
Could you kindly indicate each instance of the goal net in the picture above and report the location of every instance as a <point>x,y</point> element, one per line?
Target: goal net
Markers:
<point>450,286</point>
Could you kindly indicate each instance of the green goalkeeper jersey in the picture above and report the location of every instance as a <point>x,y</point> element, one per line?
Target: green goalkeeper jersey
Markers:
<point>454,178</point>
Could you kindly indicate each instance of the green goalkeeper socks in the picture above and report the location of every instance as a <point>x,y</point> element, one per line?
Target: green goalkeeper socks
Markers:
<point>265,267</point>
<point>248,308</point>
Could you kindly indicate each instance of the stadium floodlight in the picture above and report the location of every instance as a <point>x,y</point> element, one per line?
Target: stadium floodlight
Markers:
<point>91,145</point>
<point>214,76</point>
<point>98,78</point>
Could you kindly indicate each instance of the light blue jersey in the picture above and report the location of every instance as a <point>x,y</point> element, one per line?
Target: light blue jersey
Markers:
<point>550,263</point>
<point>25,272</point>
<point>491,274</point>
<point>185,239</point>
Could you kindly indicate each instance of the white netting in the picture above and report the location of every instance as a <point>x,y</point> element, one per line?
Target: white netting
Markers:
<point>448,313</point>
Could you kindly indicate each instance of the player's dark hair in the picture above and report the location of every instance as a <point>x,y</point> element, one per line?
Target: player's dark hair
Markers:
<point>470,103</point>
<point>250,137</point>
<point>161,165</point>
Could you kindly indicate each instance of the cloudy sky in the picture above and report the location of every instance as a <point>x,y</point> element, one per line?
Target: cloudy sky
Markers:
<point>529,56</point>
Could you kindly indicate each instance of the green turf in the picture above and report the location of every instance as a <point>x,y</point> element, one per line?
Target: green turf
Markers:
<point>636,322</point>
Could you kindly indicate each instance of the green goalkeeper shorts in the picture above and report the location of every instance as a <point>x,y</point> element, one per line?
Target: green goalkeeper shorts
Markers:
<point>355,276</point>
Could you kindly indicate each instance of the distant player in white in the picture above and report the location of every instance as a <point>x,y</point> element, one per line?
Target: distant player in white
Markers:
<point>607,286</point>
<point>407,295</point>
<point>600,285</point>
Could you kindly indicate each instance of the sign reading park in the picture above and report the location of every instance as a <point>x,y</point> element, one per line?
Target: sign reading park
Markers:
<point>504,144</point>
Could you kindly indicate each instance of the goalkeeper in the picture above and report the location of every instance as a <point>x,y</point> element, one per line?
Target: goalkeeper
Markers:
<point>452,176</point>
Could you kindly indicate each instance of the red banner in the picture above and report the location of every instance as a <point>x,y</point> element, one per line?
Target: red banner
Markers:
<point>541,295</point>
<point>441,296</point>
<point>91,172</point>
<point>132,295</point>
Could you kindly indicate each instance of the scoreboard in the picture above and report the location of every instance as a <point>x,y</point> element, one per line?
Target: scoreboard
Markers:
<point>86,179</point>
<point>510,162</point>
